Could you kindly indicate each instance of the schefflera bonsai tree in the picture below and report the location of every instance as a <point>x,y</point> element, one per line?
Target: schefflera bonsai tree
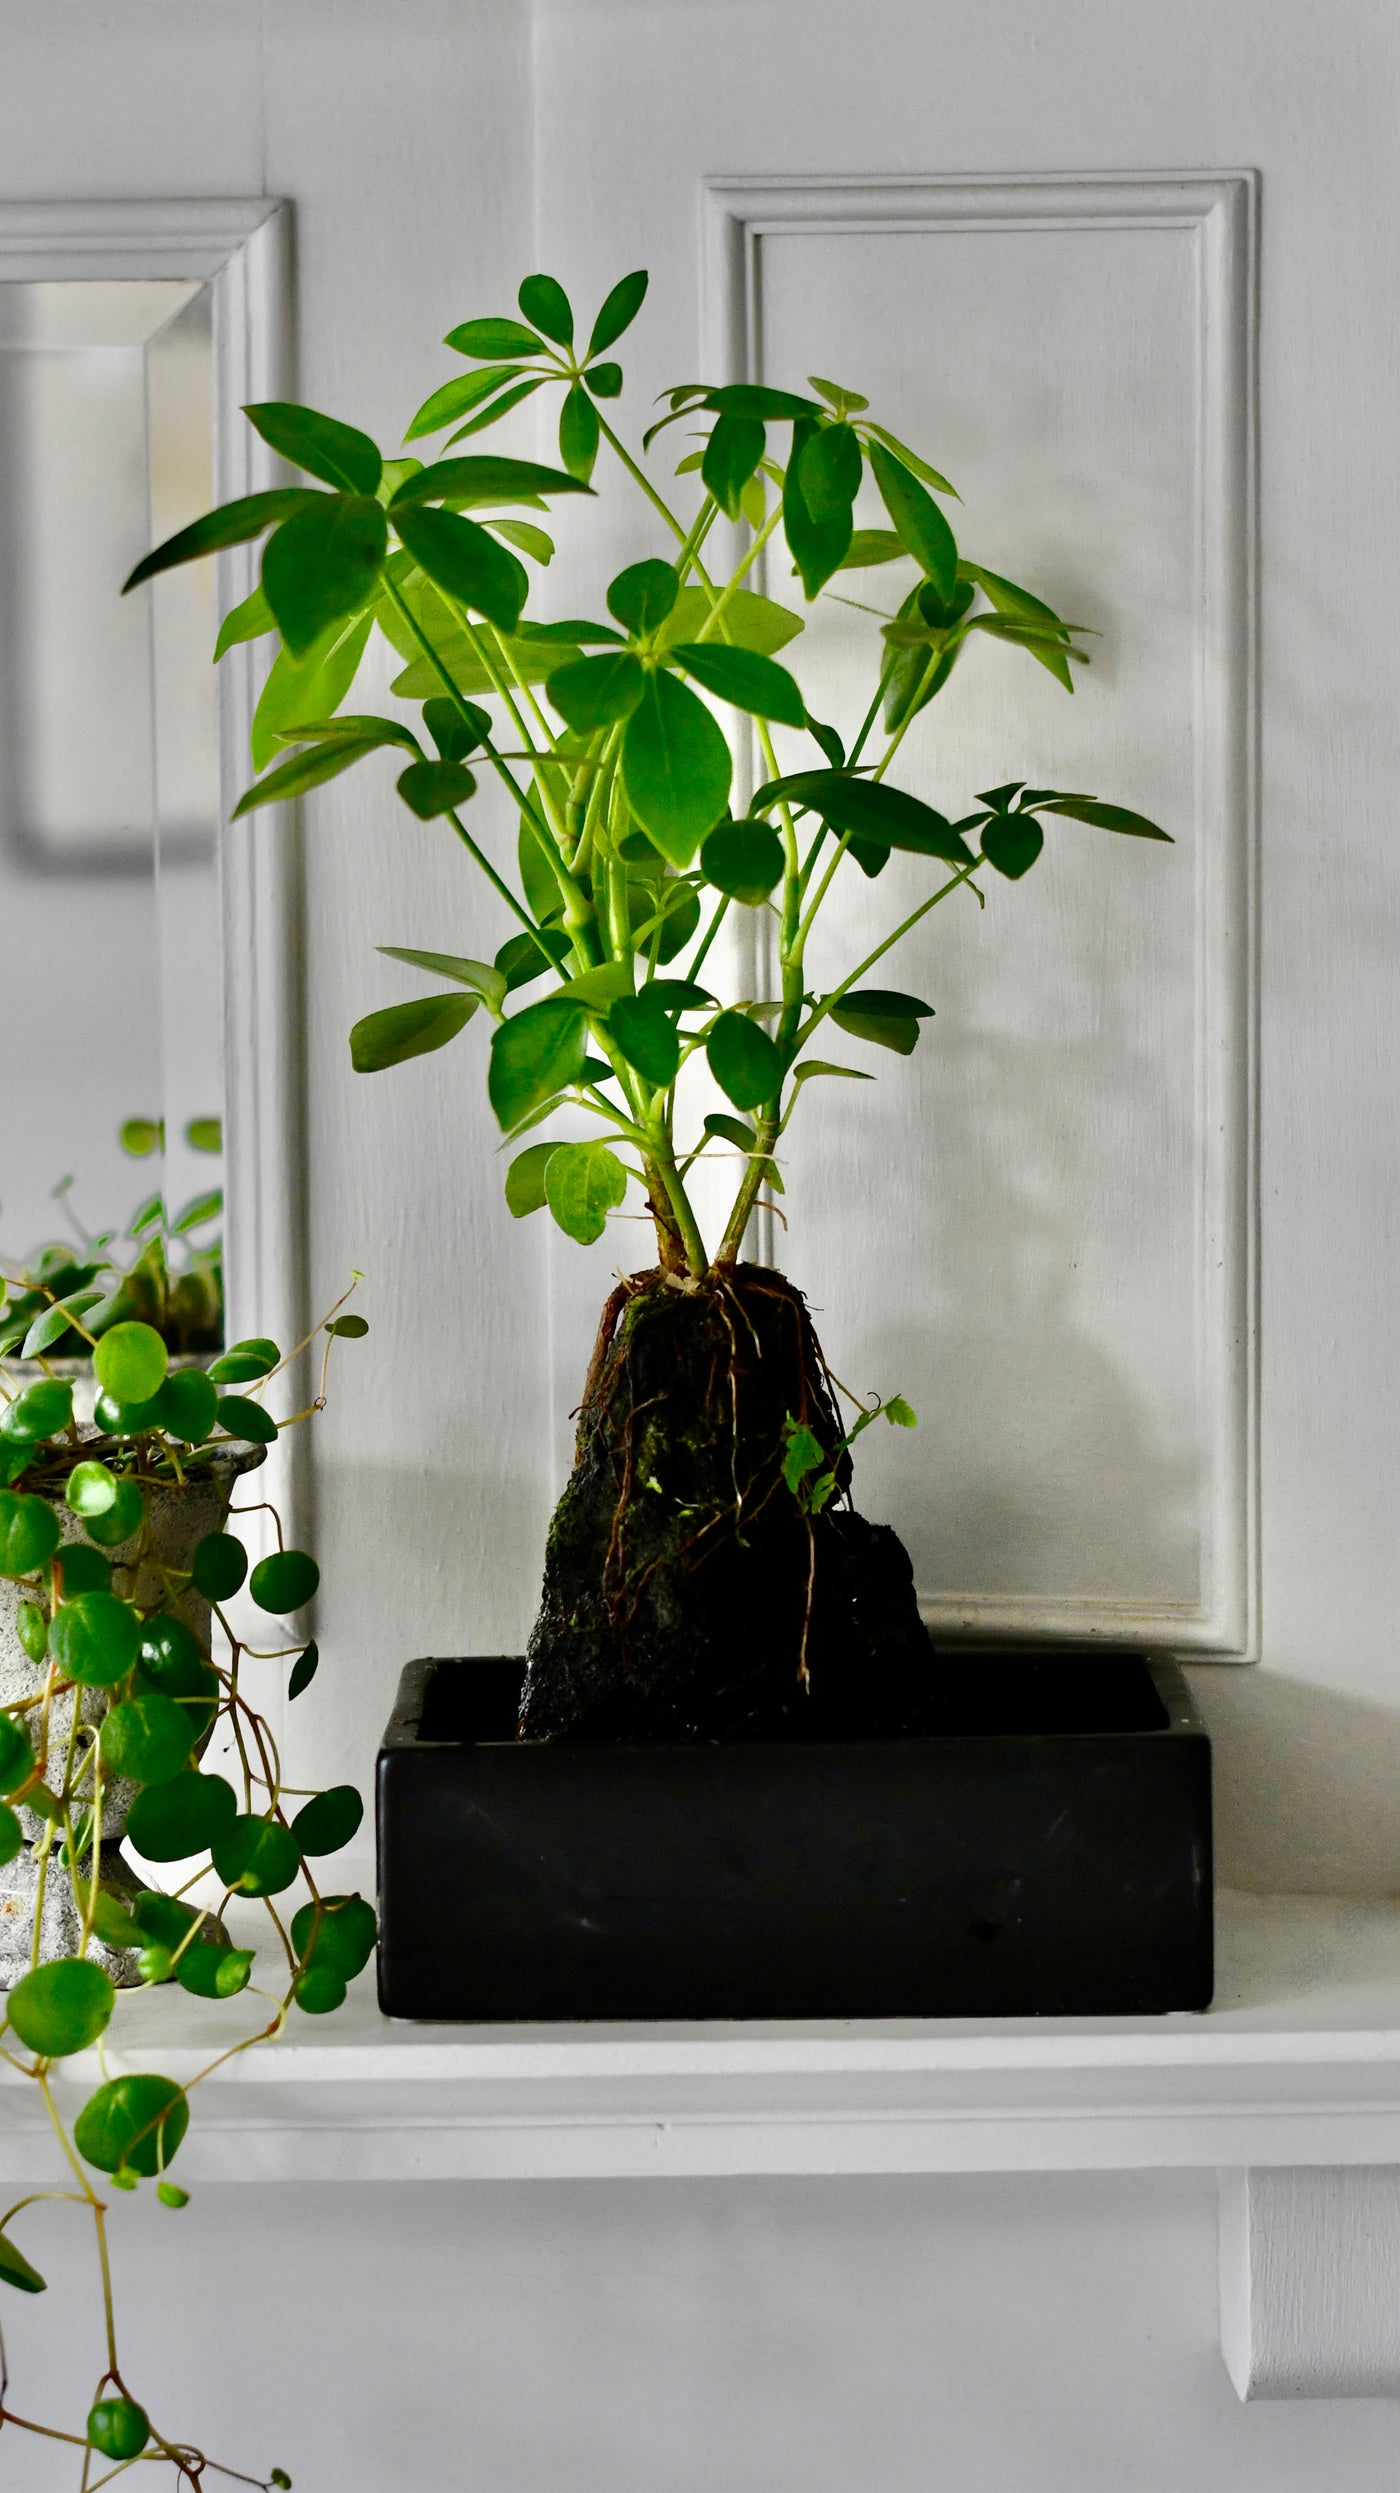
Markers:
<point>705,1574</point>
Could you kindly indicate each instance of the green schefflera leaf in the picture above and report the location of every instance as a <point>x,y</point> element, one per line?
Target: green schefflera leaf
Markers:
<point>464,559</point>
<point>579,433</point>
<point>676,767</point>
<point>525,1179</point>
<point>487,982</point>
<point>459,397</point>
<point>233,524</point>
<point>744,1060</point>
<point>732,453</point>
<point>430,789</point>
<point>1105,817</point>
<point>595,692</point>
<point>485,339</point>
<point>918,520</point>
<point>619,309</point>
<point>884,1016</point>
<point>322,564</point>
<point>335,452</point>
<point>583,1183</point>
<point>400,1031</point>
<point>744,679</point>
<point>546,306</point>
<point>744,859</point>
<point>646,1035</point>
<point>534,1055</point>
<point>644,595</point>
<point>1012,843</point>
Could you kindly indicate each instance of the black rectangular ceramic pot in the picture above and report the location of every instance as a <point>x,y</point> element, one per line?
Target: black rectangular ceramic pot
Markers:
<point>1047,1853</point>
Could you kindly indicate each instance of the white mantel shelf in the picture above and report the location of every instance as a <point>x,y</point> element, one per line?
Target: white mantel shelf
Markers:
<point>1298,2064</point>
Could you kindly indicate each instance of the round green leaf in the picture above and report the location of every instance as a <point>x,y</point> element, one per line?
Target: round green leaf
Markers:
<point>163,1918</point>
<point>744,1061</point>
<point>118,2427</point>
<point>303,1670</point>
<point>319,1989</point>
<point>29,1532</point>
<point>525,1179</point>
<point>285,1582</point>
<point>126,1419</point>
<point>431,789</point>
<point>122,1519</point>
<point>146,1739</point>
<point>39,1412</point>
<point>16,1755</point>
<point>142,1135</point>
<point>91,1489</point>
<point>133,2124</point>
<point>582,1183</point>
<point>155,1964</point>
<point>329,1821</point>
<point>344,1936</point>
<point>744,859</point>
<point>246,1420</point>
<point>95,1638</point>
<point>171,1663</point>
<point>11,1835</point>
<point>220,1565</point>
<point>214,1973</point>
<point>173,1821</point>
<point>81,1570</point>
<point>130,1363</point>
<point>32,1629</point>
<point>170,2195</point>
<point>15,2269</point>
<point>257,1857</point>
<point>348,1328</point>
<point>61,2008</point>
<point>243,1361</point>
<point>187,1406</point>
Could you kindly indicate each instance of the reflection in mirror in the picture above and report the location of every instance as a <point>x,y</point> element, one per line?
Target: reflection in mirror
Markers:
<point>110,984</point>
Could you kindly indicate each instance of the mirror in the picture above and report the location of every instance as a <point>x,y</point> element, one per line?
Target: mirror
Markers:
<point>111,1003</point>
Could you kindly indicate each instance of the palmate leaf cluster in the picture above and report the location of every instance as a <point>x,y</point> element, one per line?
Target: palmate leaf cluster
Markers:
<point>613,737</point>
<point>124,1691</point>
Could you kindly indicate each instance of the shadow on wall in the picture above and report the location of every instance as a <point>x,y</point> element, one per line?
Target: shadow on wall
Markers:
<point>1307,1785</point>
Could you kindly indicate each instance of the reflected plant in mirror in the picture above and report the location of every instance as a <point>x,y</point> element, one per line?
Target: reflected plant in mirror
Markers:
<point>635,1052</point>
<point>164,1269</point>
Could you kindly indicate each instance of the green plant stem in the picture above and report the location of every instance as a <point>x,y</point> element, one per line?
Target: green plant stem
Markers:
<point>820,1011</point>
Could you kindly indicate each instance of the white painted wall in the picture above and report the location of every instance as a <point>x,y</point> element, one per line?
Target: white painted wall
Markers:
<point>990,2335</point>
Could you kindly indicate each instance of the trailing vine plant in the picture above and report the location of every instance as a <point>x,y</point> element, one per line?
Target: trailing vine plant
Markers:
<point>117,1559</point>
<point>603,735</point>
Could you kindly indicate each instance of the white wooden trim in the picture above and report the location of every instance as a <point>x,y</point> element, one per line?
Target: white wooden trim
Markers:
<point>1221,211</point>
<point>240,248</point>
<point>1310,2281</point>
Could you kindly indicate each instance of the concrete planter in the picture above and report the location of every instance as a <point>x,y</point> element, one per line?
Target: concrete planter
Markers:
<point>179,1519</point>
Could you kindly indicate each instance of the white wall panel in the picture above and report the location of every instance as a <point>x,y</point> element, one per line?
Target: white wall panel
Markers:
<point>1040,1229</point>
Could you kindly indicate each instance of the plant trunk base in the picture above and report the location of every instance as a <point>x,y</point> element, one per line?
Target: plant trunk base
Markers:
<point>687,1595</point>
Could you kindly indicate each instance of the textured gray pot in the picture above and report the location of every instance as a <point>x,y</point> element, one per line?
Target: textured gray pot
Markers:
<point>179,1519</point>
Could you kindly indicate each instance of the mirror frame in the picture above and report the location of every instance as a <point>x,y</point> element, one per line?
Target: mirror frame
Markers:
<point>241,249</point>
